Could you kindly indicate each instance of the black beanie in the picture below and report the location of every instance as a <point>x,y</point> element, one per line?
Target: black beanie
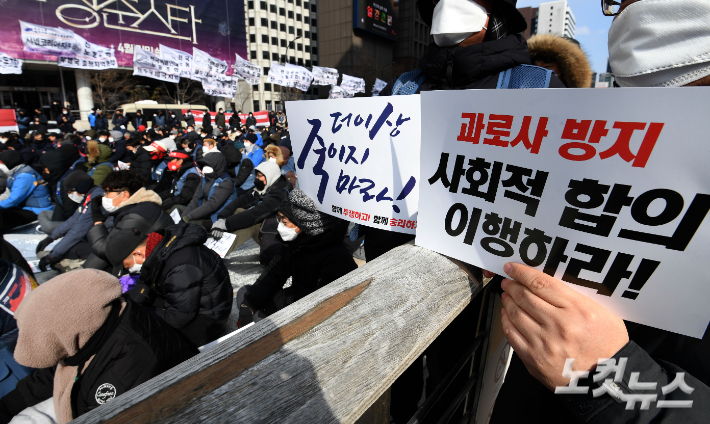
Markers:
<point>72,181</point>
<point>11,158</point>
<point>84,186</point>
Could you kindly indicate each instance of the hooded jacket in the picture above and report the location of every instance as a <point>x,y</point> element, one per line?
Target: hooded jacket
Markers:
<point>65,209</point>
<point>573,64</point>
<point>260,207</point>
<point>311,261</point>
<point>24,183</point>
<point>141,163</point>
<point>209,200</point>
<point>89,348</point>
<point>97,165</point>
<point>57,164</point>
<point>239,169</point>
<point>189,280</point>
<point>68,125</point>
<point>75,229</point>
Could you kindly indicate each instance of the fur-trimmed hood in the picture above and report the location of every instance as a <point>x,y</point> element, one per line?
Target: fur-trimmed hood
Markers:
<point>575,71</point>
<point>142,195</point>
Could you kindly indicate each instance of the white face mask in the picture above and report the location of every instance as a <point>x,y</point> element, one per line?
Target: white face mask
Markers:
<point>136,268</point>
<point>187,150</point>
<point>110,139</point>
<point>272,159</point>
<point>455,21</point>
<point>76,197</point>
<point>287,234</point>
<point>657,43</point>
<point>64,112</point>
<point>205,150</point>
<point>207,170</point>
<point>88,138</point>
<point>3,140</point>
<point>108,204</point>
<point>102,139</point>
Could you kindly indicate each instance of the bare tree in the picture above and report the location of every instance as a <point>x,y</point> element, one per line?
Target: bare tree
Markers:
<point>287,94</point>
<point>243,95</point>
<point>186,92</point>
<point>112,87</point>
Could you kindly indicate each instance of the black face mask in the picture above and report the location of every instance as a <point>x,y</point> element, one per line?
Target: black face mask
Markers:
<point>259,184</point>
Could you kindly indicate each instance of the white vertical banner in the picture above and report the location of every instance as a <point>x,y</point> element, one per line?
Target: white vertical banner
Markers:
<point>47,40</point>
<point>353,84</point>
<point>183,59</point>
<point>87,55</point>
<point>358,159</point>
<point>204,66</point>
<point>337,92</point>
<point>249,72</point>
<point>378,87</point>
<point>10,65</point>
<point>146,64</point>
<point>325,76</point>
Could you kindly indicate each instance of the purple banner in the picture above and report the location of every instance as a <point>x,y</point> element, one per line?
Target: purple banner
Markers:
<point>216,27</point>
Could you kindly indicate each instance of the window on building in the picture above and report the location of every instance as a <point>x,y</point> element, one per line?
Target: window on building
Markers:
<point>272,8</point>
<point>266,70</point>
<point>267,86</point>
<point>299,47</point>
<point>282,11</point>
<point>314,22</point>
<point>275,57</point>
<point>252,38</point>
<point>251,22</point>
<point>291,30</point>
<point>292,60</point>
<point>307,49</point>
<point>283,42</point>
<point>274,41</point>
<point>283,58</point>
<point>314,9</point>
<point>290,14</point>
<point>273,25</point>
<point>265,55</point>
<point>264,22</point>
<point>298,16</point>
<point>305,5</point>
<point>308,34</point>
<point>315,63</point>
<point>256,105</point>
<point>314,50</point>
<point>299,32</point>
<point>306,20</point>
<point>308,63</point>
<point>268,105</point>
<point>314,37</point>
<point>282,27</point>
<point>262,5</point>
<point>300,62</point>
<point>264,38</point>
<point>253,54</point>
<point>250,4</point>
<point>298,2</point>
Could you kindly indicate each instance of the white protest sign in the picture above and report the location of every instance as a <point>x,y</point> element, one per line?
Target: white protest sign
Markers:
<point>87,55</point>
<point>183,59</point>
<point>10,65</point>
<point>221,246</point>
<point>204,65</point>
<point>249,72</point>
<point>353,84</point>
<point>358,159</point>
<point>289,76</point>
<point>302,76</point>
<point>215,87</point>
<point>378,87</point>
<point>47,40</point>
<point>123,165</point>
<point>337,92</point>
<point>325,76</point>
<point>146,64</point>
<point>610,196</point>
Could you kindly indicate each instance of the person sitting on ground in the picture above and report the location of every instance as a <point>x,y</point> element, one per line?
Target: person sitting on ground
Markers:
<point>253,215</point>
<point>181,281</point>
<point>73,248</point>
<point>216,189</point>
<point>274,154</point>
<point>118,149</point>
<point>288,169</point>
<point>179,181</point>
<point>139,158</point>
<point>88,348</point>
<point>564,57</point>
<point>97,161</point>
<point>315,255</point>
<point>65,206</point>
<point>33,151</point>
<point>186,145</point>
<point>124,196</point>
<point>27,196</point>
<point>55,165</point>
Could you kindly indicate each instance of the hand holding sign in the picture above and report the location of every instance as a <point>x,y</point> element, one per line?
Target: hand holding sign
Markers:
<point>547,322</point>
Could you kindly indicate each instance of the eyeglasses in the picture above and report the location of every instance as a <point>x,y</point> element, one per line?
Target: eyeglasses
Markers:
<point>610,7</point>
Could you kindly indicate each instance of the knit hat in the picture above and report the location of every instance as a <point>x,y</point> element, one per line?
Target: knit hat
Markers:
<point>72,181</point>
<point>11,158</point>
<point>302,211</point>
<point>84,186</point>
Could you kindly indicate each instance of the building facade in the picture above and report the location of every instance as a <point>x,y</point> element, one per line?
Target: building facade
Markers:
<point>279,31</point>
<point>556,18</point>
<point>413,37</point>
<point>530,15</point>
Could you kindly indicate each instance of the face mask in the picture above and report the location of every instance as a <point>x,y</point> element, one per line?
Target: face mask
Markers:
<point>108,204</point>
<point>187,150</point>
<point>76,197</point>
<point>88,138</point>
<point>205,150</point>
<point>110,139</point>
<point>173,166</point>
<point>455,20</point>
<point>102,139</point>
<point>259,185</point>
<point>272,159</point>
<point>136,268</point>
<point>287,234</point>
<point>64,112</point>
<point>3,140</point>
<point>649,46</point>
<point>207,170</point>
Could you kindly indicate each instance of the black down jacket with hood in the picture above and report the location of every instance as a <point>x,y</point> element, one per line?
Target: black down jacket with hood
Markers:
<point>188,279</point>
<point>210,205</point>
<point>141,163</point>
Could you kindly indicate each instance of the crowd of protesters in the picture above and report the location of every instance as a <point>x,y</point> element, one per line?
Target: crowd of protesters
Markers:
<point>130,212</point>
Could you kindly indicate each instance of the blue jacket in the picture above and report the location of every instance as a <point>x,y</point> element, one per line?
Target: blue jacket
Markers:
<point>92,120</point>
<point>26,192</point>
<point>74,229</point>
<point>158,121</point>
<point>23,122</point>
<point>256,156</point>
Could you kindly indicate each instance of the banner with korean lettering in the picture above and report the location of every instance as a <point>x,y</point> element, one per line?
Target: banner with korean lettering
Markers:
<point>86,55</point>
<point>215,87</point>
<point>249,72</point>
<point>290,76</point>
<point>337,92</point>
<point>10,65</point>
<point>359,158</point>
<point>146,64</point>
<point>610,196</point>
<point>353,84</point>
<point>206,66</point>
<point>378,87</point>
<point>46,40</point>
<point>183,59</point>
<point>325,76</point>
<point>262,117</point>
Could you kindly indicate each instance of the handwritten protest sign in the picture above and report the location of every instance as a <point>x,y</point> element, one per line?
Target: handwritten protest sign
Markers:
<point>353,84</point>
<point>146,64</point>
<point>87,55</point>
<point>337,92</point>
<point>249,72</point>
<point>183,59</point>
<point>378,87</point>
<point>10,65</point>
<point>610,196</point>
<point>325,76</point>
<point>359,158</point>
<point>206,66</point>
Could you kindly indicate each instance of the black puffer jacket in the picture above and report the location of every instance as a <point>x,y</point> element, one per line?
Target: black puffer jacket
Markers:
<point>141,163</point>
<point>168,184</point>
<point>188,278</point>
<point>139,347</point>
<point>57,165</point>
<point>202,205</point>
<point>312,261</point>
<point>259,207</point>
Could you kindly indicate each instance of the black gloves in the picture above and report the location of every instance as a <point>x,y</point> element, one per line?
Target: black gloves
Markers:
<point>219,228</point>
<point>47,261</point>
<point>43,244</point>
<point>96,214</point>
<point>141,294</point>
<point>246,316</point>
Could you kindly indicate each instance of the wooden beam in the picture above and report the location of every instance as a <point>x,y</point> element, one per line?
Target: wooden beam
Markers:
<point>326,358</point>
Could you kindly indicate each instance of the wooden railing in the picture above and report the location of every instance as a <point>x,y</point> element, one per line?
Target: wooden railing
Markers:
<point>325,359</point>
